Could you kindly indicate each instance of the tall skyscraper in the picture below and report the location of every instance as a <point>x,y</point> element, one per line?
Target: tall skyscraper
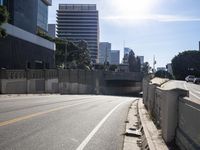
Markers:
<point>104,52</point>
<point>114,57</point>
<point>77,22</point>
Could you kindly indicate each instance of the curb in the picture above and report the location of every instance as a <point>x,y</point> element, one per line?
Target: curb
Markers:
<point>152,134</point>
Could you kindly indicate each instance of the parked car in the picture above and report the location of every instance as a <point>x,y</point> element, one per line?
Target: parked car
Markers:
<point>189,78</point>
<point>196,80</point>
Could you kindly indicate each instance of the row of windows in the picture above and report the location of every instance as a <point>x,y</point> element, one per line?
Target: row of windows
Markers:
<point>76,40</point>
<point>42,16</point>
<point>78,22</point>
<point>76,15</point>
<point>75,18</point>
<point>77,32</point>
<point>86,29</point>
<point>76,12</point>
<point>76,25</point>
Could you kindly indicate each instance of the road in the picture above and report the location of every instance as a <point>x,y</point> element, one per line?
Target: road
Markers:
<point>194,89</point>
<point>63,122</point>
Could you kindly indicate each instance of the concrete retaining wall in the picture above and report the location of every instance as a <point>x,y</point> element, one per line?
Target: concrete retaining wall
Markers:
<point>67,82</point>
<point>188,131</point>
<point>174,114</point>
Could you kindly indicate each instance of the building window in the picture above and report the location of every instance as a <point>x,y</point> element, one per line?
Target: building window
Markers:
<point>42,17</point>
<point>1,2</point>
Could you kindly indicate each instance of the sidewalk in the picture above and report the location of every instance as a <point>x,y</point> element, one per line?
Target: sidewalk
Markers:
<point>143,134</point>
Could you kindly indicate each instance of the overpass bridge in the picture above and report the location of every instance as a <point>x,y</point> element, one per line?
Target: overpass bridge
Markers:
<point>67,81</point>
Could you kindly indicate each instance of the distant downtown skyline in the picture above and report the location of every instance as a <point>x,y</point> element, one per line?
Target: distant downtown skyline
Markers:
<point>149,27</point>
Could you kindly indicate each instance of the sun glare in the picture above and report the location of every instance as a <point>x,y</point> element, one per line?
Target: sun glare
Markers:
<point>133,8</point>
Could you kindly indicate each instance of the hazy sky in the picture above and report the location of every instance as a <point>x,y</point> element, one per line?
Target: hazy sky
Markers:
<point>150,27</point>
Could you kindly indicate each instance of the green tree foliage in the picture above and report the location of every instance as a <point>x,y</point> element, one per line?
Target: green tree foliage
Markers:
<point>71,56</point>
<point>83,60</point>
<point>145,68</point>
<point>186,63</point>
<point>112,67</point>
<point>134,63</point>
<point>163,74</point>
<point>45,36</point>
<point>4,15</point>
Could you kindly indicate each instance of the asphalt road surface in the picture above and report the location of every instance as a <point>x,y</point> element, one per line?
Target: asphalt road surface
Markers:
<point>194,89</point>
<point>63,122</point>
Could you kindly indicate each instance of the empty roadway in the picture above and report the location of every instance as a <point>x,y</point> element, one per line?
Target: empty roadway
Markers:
<point>63,122</point>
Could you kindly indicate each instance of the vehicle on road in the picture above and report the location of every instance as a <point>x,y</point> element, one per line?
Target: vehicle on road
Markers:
<point>189,78</point>
<point>196,80</point>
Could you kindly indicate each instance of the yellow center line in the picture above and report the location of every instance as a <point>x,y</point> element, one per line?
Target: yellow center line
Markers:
<point>36,114</point>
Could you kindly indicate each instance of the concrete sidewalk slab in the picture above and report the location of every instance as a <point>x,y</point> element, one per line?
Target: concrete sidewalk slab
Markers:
<point>152,134</point>
<point>130,142</point>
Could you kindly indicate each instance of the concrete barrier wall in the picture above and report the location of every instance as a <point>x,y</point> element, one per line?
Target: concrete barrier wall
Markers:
<point>188,131</point>
<point>65,82</point>
<point>174,114</point>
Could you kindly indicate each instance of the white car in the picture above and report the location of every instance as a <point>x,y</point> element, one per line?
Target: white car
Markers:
<point>196,80</point>
<point>189,78</point>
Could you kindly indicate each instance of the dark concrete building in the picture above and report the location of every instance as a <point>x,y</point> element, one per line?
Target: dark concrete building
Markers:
<point>77,22</point>
<point>22,48</point>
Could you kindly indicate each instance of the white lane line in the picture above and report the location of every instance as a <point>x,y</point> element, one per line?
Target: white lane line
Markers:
<point>92,133</point>
<point>191,92</point>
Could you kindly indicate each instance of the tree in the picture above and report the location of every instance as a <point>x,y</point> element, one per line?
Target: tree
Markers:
<point>65,54</point>
<point>186,63</point>
<point>83,59</point>
<point>145,68</point>
<point>113,67</point>
<point>134,63</point>
<point>163,74</point>
<point>71,56</point>
<point>4,15</point>
<point>138,64</point>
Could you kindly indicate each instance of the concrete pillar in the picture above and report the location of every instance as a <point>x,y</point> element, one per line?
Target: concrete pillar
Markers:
<point>169,112</point>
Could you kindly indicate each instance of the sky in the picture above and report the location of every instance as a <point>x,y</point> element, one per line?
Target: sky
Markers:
<point>150,27</point>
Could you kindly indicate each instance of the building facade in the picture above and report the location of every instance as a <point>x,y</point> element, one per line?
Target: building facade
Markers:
<point>127,50</point>
<point>114,57</point>
<point>77,22</point>
<point>22,48</point>
<point>52,30</point>
<point>141,59</point>
<point>29,15</point>
<point>104,52</point>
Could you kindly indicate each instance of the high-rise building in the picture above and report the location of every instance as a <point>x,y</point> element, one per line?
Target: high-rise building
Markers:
<point>77,22</point>
<point>114,57</point>
<point>22,47</point>
<point>127,50</point>
<point>104,52</point>
<point>52,30</point>
<point>29,15</point>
